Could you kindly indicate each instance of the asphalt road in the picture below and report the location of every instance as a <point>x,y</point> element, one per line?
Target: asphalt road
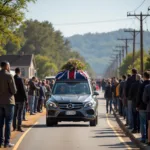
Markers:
<point>78,136</point>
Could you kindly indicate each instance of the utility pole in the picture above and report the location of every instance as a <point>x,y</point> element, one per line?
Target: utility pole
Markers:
<point>134,33</point>
<point>140,17</point>
<point>123,49</point>
<point>119,56</point>
<point>115,64</point>
<point>126,44</point>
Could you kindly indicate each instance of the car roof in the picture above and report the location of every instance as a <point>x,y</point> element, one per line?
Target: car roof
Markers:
<point>72,80</point>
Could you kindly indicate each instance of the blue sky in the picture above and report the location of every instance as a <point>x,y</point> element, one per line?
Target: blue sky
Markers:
<point>60,12</point>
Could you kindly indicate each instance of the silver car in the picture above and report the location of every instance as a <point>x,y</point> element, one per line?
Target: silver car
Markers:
<point>72,100</point>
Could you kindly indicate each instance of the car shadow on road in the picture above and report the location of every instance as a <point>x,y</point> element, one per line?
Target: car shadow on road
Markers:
<point>56,126</point>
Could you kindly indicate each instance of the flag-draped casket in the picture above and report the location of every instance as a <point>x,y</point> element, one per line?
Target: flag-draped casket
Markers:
<point>72,75</point>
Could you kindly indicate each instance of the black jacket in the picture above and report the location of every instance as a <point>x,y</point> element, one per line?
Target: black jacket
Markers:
<point>108,92</point>
<point>133,93</point>
<point>33,89</point>
<point>121,89</point>
<point>146,97</point>
<point>140,104</point>
<point>129,82</point>
<point>20,96</point>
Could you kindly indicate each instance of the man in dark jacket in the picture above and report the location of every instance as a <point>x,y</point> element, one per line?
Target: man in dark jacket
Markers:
<point>108,96</point>
<point>20,98</point>
<point>146,100</point>
<point>121,93</point>
<point>129,83</point>
<point>125,101</point>
<point>7,103</point>
<point>141,107</point>
<point>42,97</point>
<point>133,95</point>
<point>32,93</point>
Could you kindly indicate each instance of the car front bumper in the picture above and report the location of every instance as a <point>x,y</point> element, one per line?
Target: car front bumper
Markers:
<point>87,114</point>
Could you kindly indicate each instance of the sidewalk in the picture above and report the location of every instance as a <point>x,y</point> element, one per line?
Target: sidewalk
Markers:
<point>134,137</point>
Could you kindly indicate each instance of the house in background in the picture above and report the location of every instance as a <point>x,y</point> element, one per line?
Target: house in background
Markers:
<point>25,62</point>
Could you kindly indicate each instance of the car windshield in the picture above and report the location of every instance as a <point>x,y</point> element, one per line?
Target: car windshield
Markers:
<point>71,88</point>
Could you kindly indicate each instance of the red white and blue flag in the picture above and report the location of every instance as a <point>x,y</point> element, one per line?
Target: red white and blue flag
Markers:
<point>72,75</point>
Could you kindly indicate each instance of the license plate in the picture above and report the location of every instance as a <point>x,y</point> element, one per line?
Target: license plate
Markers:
<point>70,113</point>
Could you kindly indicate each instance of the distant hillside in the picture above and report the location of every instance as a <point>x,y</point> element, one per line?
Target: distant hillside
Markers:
<point>97,48</point>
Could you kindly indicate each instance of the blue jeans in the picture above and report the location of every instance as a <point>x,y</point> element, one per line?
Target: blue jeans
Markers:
<point>120,107</point>
<point>6,117</point>
<point>36,103</point>
<point>115,103</point>
<point>24,113</point>
<point>31,103</point>
<point>18,115</point>
<point>126,114</point>
<point>109,103</point>
<point>143,124</point>
<point>130,114</point>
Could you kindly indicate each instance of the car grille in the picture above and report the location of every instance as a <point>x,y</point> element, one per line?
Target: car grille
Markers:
<point>74,106</point>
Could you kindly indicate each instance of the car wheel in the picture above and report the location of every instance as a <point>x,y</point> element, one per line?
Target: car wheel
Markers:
<point>94,122</point>
<point>49,122</point>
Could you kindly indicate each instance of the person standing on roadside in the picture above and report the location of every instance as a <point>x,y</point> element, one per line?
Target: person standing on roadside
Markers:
<point>20,98</point>
<point>121,94</point>
<point>49,91</point>
<point>141,107</point>
<point>133,96</point>
<point>7,103</point>
<point>108,96</point>
<point>31,94</point>
<point>129,83</point>
<point>26,104</point>
<point>42,97</point>
<point>52,84</point>
<point>146,100</point>
<point>37,95</point>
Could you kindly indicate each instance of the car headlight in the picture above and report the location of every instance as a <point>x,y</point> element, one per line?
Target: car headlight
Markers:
<point>89,104</point>
<point>51,104</point>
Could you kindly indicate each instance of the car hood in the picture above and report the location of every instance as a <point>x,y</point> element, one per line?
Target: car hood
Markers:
<point>70,98</point>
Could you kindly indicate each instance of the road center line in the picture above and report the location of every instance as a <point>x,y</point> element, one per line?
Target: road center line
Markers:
<point>118,135</point>
<point>22,137</point>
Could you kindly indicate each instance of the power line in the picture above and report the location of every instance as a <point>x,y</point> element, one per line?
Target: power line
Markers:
<point>93,22</point>
<point>140,5</point>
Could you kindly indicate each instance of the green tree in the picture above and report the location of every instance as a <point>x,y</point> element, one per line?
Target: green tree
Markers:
<point>147,64</point>
<point>11,16</point>
<point>45,67</point>
<point>126,66</point>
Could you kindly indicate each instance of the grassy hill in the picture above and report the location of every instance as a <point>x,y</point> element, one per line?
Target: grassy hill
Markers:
<point>97,48</point>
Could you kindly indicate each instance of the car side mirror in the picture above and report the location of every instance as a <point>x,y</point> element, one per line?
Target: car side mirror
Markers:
<point>95,93</point>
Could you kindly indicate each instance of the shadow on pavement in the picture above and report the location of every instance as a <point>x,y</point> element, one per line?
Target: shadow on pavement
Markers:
<point>105,136</point>
<point>102,116</point>
<point>119,146</point>
<point>56,126</point>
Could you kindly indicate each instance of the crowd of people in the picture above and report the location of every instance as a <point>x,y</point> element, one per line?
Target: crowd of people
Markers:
<point>18,96</point>
<point>131,99</point>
